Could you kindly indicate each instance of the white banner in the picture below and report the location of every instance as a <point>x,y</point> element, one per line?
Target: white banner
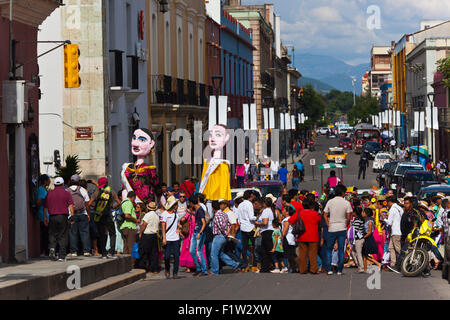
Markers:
<point>253,121</point>
<point>435,119</point>
<point>282,121</point>
<point>299,118</point>
<point>245,116</point>
<point>389,112</point>
<point>428,116</point>
<point>266,118</point>
<point>223,110</point>
<point>419,121</point>
<point>212,112</point>
<point>271,118</point>
<point>293,125</point>
<point>398,119</point>
<point>287,120</point>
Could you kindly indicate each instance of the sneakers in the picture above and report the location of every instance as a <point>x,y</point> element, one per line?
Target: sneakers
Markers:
<point>254,269</point>
<point>72,255</point>
<point>104,257</point>
<point>330,273</point>
<point>52,255</point>
<point>62,260</point>
<point>275,271</point>
<point>284,270</point>
<point>111,256</point>
<point>87,254</point>
<point>339,273</point>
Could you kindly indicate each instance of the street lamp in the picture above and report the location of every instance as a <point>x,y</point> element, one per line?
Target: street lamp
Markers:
<point>217,84</point>
<point>163,6</point>
<point>431,99</point>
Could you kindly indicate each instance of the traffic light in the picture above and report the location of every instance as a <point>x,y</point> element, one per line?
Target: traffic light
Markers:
<point>71,66</point>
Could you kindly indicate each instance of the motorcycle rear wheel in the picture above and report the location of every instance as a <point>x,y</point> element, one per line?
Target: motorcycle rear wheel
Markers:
<point>418,264</point>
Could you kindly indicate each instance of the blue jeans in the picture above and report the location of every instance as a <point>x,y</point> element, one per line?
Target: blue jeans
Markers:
<point>80,227</point>
<point>172,248</point>
<point>197,251</point>
<point>332,236</point>
<point>217,253</point>
<point>295,182</point>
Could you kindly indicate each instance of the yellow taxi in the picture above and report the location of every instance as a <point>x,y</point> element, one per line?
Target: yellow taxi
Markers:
<point>336,155</point>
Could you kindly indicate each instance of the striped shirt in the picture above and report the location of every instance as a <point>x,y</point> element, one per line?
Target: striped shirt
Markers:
<point>221,224</point>
<point>358,228</point>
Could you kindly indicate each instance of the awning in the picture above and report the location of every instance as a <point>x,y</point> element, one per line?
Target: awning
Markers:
<point>331,166</point>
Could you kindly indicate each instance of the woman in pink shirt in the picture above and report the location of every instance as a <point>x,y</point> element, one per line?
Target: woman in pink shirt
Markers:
<point>333,180</point>
<point>240,175</point>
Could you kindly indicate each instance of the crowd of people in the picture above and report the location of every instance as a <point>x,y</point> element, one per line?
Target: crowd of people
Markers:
<point>299,231</point>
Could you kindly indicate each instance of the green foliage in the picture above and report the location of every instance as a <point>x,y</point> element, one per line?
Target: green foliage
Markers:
<point>443,66</point>
<point>72,167</point>
<point>365,107</point>
<point>313,105</point>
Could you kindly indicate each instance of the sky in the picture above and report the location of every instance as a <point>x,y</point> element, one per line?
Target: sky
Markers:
<point>340,27</point>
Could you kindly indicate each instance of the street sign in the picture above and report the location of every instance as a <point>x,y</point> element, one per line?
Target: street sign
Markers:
<point>84,133</point>
<point>312,162</point>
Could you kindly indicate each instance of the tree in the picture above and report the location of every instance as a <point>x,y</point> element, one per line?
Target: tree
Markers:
<point>313,104</point>
<point>72,167</point>
<point>443,66</point>
<point>365,107</point>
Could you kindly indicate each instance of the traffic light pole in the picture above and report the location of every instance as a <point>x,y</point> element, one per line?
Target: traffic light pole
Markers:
<point>62,43</point>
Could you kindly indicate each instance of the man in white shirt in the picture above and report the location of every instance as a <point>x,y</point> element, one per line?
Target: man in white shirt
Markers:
<point>79,227</point>
<point>246,221</point>
<point>182,205</point>
<point>148,236</point>
<point>337,217</point>
<point>171,237</point>
<point>394,221</point>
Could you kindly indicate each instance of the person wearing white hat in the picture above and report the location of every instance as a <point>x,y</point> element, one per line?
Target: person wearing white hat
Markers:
<point>56,204</point>
<point>171,238</point>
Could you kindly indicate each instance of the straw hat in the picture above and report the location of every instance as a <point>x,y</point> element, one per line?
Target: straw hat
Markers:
<point>440,195</point>
<point>239,195</point>
<point>423,204</point>
<point>271,197</point>
<point>171,202</point>
<point>151,206</point>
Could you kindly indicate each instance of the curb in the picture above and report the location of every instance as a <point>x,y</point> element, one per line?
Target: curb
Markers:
<point>102,287</point>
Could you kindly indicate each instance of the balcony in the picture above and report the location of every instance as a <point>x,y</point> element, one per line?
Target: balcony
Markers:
<point>116,68</point>
<point>133,72</point>
<point>267,80</point>
<point>168,90</point>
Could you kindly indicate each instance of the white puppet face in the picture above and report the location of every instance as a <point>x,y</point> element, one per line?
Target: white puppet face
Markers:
<point>218,137</point>
<point>141,143</point>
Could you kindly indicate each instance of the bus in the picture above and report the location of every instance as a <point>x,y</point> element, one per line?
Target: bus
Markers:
<point>364,132</point>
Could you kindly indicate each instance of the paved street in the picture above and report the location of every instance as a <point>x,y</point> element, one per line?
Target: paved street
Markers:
<point>350,175</point>
<point>292,286</point>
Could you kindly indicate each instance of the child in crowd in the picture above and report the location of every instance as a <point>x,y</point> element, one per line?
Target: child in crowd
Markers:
<point>289,245</point>
<point>369,246</point>
<point>358,238</point>
<point>277,249</point>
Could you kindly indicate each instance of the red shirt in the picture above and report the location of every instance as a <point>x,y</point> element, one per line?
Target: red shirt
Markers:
<point>311,219</point>
<point>297,205</point>
<point>58,201</point>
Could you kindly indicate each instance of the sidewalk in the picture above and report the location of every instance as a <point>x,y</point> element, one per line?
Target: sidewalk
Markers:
<point>43,279</point>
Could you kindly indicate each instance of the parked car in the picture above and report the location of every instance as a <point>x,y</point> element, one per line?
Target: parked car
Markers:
<point>380,160</point>
<point>345,142</point>
<point>395,172</point>
<point>372,148</point>
<point>336,155</point>
<point>384,171</point>
<point>234,192</point>
<point>433,190</point>
<point>265,187</point>
<point>323,130</point>
<point>413,180</point>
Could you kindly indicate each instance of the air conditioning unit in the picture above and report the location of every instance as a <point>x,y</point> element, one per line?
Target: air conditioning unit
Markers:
<point>14,101</point>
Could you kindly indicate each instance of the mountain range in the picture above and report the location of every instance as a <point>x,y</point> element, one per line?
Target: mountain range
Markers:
<point>326,73</point>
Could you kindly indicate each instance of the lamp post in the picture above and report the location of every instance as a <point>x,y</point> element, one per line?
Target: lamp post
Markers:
<point>217,85</point>
<point>267,103</point>
<point>431,99</point>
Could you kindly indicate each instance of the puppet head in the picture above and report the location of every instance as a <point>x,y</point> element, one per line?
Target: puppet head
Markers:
<point>142,143</point>
<point>218,137</point>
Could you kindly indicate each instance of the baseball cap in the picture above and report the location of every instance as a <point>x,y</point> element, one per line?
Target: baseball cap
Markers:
<point>58,181</point>
<point>75,178</point>
<point>102,182</point>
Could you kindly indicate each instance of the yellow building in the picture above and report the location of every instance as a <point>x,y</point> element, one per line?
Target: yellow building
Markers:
<point>401,50</point>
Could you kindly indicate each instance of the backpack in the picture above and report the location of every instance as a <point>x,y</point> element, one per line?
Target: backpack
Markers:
<point>119,217</point>
<point>103,201</point>
<point>78,200</point>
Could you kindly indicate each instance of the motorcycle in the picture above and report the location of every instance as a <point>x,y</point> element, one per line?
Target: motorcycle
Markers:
<point>417,257</point>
